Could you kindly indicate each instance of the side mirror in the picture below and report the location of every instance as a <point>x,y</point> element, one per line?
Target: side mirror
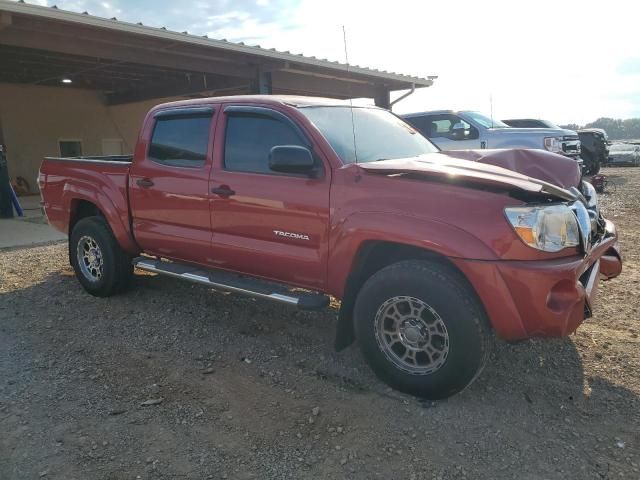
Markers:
<point>458,126</point>
<point>291,159</point>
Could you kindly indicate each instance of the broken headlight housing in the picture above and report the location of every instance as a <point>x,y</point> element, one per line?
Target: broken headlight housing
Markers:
<point>549,228</point>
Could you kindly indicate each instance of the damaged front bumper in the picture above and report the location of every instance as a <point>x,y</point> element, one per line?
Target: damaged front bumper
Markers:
<point>548,298</point>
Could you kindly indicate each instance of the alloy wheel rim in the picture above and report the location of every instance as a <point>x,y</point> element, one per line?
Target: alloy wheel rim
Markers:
<point>412,335</point>
<point>90,259</point>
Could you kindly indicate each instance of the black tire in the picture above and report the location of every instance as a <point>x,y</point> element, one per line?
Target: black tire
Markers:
<point>116,268</point>
<point>450,301</point>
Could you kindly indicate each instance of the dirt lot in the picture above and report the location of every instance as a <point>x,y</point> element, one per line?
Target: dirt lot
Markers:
<point>247,389</point>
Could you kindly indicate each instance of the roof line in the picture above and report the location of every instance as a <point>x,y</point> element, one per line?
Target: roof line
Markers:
<point>54,13</point>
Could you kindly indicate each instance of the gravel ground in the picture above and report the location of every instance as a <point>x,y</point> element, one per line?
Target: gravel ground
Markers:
<point>173,380</point>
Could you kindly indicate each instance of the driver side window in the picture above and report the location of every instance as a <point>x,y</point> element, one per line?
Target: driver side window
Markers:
<point>250,138</point>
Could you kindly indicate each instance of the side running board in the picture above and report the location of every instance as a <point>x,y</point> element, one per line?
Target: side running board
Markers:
<point>235,283</point>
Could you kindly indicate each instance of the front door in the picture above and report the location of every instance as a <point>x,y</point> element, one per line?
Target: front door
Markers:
<point>267,224</point>
<point>169,185</point>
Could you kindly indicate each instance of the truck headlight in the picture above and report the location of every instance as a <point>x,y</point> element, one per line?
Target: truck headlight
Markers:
<point>549,228</point>
<point>553,144</point>
<point>589,192</point>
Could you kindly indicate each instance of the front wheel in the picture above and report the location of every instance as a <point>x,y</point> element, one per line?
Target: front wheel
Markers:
<point>101,266</point>
<point>422,329</point>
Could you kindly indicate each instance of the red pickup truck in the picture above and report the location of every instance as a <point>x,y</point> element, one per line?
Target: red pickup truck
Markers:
<point>295,199</point>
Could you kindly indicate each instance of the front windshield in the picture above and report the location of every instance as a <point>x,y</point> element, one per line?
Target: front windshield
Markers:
<point>376,134</point>
<point>551,125</point>
<point>485,121</point>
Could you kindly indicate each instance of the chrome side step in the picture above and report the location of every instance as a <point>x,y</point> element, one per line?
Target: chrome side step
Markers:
<point>234,283</point>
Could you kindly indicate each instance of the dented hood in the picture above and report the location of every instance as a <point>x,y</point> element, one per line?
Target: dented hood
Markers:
<point>534,171</point>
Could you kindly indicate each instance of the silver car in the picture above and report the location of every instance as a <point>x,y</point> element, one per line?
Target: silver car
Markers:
<point>461,130</point>
<point>624,154</point>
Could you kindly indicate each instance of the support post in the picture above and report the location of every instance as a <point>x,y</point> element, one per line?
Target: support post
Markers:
<point>5,20</point>
<point>383,97</point>
<point>265,85</point>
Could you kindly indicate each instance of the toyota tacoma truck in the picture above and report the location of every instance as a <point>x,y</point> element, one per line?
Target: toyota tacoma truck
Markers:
<point>296,199</point>
<point>458,130</point>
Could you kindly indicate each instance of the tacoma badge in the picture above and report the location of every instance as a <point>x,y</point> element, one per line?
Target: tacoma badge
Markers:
<point>299,236</point>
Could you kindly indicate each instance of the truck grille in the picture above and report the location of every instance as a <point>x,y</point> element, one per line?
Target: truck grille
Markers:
<point>571,145</point>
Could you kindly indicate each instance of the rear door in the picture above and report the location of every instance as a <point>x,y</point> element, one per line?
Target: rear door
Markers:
<point>169,185</point>
<point>267,224</point>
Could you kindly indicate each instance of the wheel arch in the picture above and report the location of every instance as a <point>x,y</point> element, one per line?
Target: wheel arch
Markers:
<point>80,208</point>
<point>371,257</point>
<point>80,205</point>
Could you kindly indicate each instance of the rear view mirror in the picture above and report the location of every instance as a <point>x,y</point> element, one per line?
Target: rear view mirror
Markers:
<point>291,159</point>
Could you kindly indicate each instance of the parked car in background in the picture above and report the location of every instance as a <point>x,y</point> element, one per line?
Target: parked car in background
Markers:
<point>594,143</point>
<point>624,154</point>
<point>293,199</point>
<point>461,130</point>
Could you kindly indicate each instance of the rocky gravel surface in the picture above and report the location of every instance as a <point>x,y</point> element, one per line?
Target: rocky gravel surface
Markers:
<point>173,380</point>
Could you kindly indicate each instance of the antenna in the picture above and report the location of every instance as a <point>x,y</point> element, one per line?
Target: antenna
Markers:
<point>353,122</point>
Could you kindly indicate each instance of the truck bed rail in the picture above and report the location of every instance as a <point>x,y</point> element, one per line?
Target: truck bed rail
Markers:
<point>103,159</point>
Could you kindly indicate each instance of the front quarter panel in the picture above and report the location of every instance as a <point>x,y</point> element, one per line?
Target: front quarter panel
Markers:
<point>349,235</point>
<point>451,220</point>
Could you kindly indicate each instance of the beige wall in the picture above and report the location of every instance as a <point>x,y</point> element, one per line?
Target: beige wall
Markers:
<point>34,118</point>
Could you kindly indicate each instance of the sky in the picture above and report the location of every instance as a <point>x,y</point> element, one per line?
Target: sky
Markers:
<point>566,61</point>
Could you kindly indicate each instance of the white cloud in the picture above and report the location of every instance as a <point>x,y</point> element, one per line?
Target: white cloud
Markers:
<point>549,59</point>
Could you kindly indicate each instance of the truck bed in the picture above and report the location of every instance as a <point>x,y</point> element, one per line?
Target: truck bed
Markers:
<point>66,182</point>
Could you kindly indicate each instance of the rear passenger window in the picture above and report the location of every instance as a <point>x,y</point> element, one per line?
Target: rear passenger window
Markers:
<point>250,138</point>
<point>181,141</point>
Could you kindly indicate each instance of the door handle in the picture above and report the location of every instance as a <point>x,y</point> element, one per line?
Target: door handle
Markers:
<point>144,182</point>
<point>223,191</point>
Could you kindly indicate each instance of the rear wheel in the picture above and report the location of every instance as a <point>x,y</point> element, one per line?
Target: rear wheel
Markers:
<point>421,329</point>
<point>102,267</point>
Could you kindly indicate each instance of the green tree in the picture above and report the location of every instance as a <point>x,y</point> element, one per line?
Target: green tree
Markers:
<point>616,128</point>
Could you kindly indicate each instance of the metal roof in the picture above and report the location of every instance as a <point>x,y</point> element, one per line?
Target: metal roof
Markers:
<point>85,19</point>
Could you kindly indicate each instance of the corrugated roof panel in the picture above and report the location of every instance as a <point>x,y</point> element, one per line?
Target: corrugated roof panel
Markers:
<point>139,28</point>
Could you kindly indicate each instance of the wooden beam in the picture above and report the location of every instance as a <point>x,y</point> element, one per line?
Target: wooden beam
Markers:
<point>196,84</point>
<point>311,85</point>
<point>5,20</point>
<point>87,47</point>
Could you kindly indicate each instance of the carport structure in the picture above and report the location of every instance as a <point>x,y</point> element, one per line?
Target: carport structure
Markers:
<point>73,83</point>
<point>132,62</point>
